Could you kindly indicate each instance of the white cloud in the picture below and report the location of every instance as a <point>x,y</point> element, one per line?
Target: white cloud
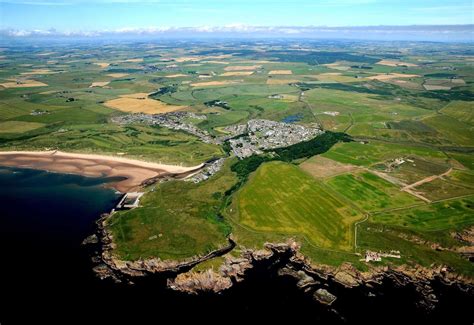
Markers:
<point>465,32</point>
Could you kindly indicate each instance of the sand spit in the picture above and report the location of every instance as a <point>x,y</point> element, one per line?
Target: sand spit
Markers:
<point>136,172</point>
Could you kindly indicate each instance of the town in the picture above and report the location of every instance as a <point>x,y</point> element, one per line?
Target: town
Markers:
<point>173,120</point>
<point>258,135</point>
<point>245,139</point>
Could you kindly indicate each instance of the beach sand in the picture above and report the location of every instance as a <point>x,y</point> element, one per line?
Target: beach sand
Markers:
<point>135,171</point>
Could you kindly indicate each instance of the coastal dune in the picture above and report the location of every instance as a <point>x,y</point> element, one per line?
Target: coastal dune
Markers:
<point>135,172</point>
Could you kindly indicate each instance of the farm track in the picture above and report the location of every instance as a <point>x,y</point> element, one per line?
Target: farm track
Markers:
<point>443,149</point>
<point>308,105</point>
<point>350,125</point>
<point>427,180</point>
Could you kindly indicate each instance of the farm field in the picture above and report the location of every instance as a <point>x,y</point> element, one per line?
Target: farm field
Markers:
<point>370,192</point>
<point>405,108</point>
<point>177,220</point>
<point>449,214</point>
<point>283,200</point>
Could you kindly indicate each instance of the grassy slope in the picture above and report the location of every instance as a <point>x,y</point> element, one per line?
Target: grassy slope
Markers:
<point>142,142</point>
<point>375,151</point>
<point>283,200</point>
<point>371,192</point>
<point>184,213</point>
<point>446,215</point>
<point>179,212</point>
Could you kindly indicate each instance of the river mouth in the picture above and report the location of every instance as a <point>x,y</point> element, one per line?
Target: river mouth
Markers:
<point>46,272</point>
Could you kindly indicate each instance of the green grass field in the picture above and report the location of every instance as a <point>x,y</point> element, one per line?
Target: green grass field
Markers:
<point>184,216</point>
<point>141,142</point>
<point>282,199</point>
<point>380,237</point>
<point>388,119</point>
<point>359,154</point>
<point>370,192</point>
<point>19,126</point>
<point>452,214</point>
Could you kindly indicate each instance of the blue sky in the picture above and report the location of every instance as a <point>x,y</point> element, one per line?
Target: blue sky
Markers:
<point>83,15</point>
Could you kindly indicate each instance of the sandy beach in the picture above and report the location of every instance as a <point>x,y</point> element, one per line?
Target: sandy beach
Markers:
<point>135,171</point>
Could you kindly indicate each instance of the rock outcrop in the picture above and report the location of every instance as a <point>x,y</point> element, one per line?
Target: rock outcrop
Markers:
<point>287,260</point>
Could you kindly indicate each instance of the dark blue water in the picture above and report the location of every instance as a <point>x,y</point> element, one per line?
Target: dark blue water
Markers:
<point>46,275</point>
<point>44,218</point>
<point>292,118</point>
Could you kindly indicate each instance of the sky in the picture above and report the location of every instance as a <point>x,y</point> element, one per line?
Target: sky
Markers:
<point>23,17</point>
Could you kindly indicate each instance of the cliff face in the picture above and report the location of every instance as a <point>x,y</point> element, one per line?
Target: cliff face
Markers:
<point>284,258</point>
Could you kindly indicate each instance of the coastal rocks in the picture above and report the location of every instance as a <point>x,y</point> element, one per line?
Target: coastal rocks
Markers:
<point>150,266</point>
<point>323,296</point>
<point>92,239</point>
<point>348,275</point>
<point>232,270</point>
<point>195,282</point>
<point>262,254</point>
<point>305,282</point>
<point>466,236</point>
<point>319,282</point>
<point>104,272</point>
<point>235,268</point>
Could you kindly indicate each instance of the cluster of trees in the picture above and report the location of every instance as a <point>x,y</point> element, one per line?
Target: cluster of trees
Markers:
<point>163,91</point>
<point>315,146</point>
<point>306,149</point>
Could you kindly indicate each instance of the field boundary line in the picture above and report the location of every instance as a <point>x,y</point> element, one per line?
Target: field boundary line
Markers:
<point>355,229</point>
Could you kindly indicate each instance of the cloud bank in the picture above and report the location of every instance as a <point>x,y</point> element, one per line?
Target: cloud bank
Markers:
<point>414,32</point>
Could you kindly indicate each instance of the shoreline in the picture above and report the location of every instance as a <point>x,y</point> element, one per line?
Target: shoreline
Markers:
<point>287,260</point>
<point>136,172</point>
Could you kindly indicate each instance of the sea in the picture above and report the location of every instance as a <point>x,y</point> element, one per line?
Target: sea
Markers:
<point>46,274</point>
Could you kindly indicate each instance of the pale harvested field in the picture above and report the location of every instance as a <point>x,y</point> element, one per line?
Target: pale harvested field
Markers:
<point>140,103</point>
<point>187,59</point>
<point>117,75</point>
<point>273,81</point>
<point>236,73</point>
<point>135,95</point>
<point>215,62</point>
<point>458,81</point>
<point>242,67</point>
<point>217,57</point>
<point>254,61</point>
<point>134,60</point>
<point>321,167</point>
<point>436,87</point>
<point>102,64</point>
<point>45,54</point>
<point>215,83</point>
<point>391,63</point>
<point>176,75</point>
<point>23,84</point>
<point>99,84</point>
<point>336,77</point>
<point>38,71</point>
<point>200,58</point>
<point>406,84</point>
<point>337,66</point>
<point>135,171</point>
<point>382,77</point>
<point>281,72</point>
